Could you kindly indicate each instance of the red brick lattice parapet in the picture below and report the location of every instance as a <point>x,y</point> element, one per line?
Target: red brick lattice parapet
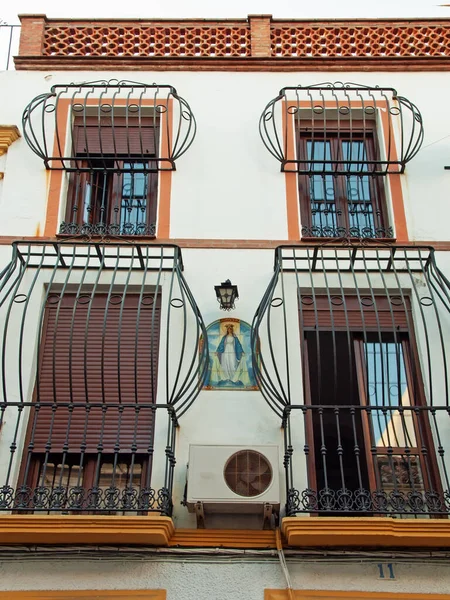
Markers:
<point>362,41</point>
<point>148,41</point>
<point>256,43</point>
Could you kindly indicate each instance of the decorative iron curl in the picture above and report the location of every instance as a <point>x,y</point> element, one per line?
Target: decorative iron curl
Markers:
<point>355,111</point>
<point>364,233</point>
<point>142,107</point>
<point>393,502</point>
<point>90,230</point>
<point>77,498</point>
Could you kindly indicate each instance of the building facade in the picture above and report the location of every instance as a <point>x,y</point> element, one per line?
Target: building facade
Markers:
<point>295,444</point>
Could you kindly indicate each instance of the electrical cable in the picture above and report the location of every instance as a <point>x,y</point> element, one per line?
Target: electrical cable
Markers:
<point>283,564</point>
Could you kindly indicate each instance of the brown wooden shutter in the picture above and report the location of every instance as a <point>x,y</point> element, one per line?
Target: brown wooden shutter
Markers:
<point>121,358</point>
<point>329,312</point>
<point>99,137</point>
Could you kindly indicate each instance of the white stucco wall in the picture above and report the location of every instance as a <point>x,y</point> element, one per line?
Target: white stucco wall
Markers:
<point>227,185</point>
<point>209,577</point>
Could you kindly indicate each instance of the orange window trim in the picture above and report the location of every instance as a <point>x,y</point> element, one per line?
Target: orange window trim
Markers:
<point>292,199</point>
<point>87,594</point>
<point>165,177</point>
<point>395,184</point>
<point>344,595</point>
<point>56,177</point>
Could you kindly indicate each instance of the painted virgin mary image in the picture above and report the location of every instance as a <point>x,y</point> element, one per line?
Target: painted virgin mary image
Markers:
<point>229,353</point>
<point>230,356</point>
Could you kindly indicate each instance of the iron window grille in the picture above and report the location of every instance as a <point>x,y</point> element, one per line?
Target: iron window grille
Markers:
<point>122,202</point>
<point>116,122</point>
<point>345,205</point>
<point>104,343</point>
<point>343,109</point>
<point>372,403</point>
<point>342,140</point>
<point>121,134</point>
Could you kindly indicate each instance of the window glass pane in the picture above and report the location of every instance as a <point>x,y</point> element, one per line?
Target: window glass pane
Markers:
<point>355,151</point>
<point>134,183</point>
<point>133,211</point>
<point>58,475</point>
<point>120,476</point>
<point>360,208</point>
<point>319,151</point>
<point>321,188</point>
<point>387,393</point>
<point>87,211</point>
<point>400,472</point>
<point>96,192</point>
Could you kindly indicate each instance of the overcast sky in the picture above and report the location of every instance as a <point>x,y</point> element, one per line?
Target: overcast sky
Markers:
<point>229,8</point>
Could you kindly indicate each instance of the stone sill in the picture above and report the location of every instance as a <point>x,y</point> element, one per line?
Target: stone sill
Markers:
<point>150,530</point>
<point>348,595</point>
<point>384,532</point>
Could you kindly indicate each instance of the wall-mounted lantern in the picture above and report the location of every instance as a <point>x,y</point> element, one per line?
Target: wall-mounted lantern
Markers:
<point>227,294</point>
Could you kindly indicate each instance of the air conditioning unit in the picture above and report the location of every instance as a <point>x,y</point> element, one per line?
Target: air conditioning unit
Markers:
<point>233,479</point>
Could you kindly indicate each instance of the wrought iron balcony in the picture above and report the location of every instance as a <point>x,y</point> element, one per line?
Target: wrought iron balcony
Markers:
<point>366,418</point>
<point>98,125</point>
<point>341,129</point>
<point>99,360</point>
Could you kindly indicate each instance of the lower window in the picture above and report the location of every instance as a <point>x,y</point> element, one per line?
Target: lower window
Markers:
<point>89,442</point>
<point>366,423</point>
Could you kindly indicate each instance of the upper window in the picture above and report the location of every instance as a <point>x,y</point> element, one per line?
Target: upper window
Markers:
<point>351,204</point>
<point>342,140</point>
<point>112,137</point>
<point>108,195</point>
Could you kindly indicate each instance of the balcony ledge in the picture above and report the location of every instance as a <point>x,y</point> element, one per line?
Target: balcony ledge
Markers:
<point>8,135</point>
<point>151,530</point>
<point>366,532</point>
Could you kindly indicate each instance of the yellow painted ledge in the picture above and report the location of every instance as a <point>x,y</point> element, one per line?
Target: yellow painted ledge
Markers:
<point>366,531</point>
<point>8,135</point>
<point>85,529</point>
<point>223,538</point>
<point>345,595</point>
<point>86,594</point>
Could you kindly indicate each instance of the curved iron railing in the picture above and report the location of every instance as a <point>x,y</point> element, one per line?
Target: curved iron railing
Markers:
<point>96,340</point>
<point>115,121</point>
<point>366,417</point>
<point>343,112</point>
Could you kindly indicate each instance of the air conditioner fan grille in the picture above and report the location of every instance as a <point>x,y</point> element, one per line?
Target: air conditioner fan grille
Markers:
<point>248,473</point>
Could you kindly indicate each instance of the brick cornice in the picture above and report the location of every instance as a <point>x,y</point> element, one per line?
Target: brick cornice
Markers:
<point>8,135</point>
<point>140,63</point>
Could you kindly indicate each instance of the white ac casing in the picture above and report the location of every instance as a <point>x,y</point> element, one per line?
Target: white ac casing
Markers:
<point>206,481</point>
